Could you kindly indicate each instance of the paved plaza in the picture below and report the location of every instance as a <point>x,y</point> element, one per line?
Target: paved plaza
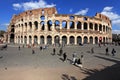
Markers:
<point>23,65</point>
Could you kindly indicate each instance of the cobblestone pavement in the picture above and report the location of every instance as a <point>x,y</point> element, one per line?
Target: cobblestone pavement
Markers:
<point>23,65</point>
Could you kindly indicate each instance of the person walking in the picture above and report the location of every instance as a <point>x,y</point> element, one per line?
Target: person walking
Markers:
<point>19,48</point>
<point>107,51</point>
<point>92,50</point>
<point>113,52</point>
<point>64,56</point>
<point>74,57</point>
<point>61,51</point>
<point>79,63</point>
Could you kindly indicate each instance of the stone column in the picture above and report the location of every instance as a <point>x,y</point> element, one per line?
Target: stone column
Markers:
<point>68,40</point>
<point>60,39</point>
<point>88,28</point>
<point>75,25</point>
<point>53,40</point>
<point>38,39</point>
<point>82,26</point>
<point>32,39</point>
<point>82,39</point>
<point>75,40</point>
<point>53,25</point>
<point>68,24</point>
<point>28,40</point>
<point>60,24</point>
<point>45,40</point>
<point>93,40</point>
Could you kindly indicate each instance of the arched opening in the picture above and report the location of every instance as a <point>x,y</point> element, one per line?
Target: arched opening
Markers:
<point>79,40</point>
<point>79,25</point>
<point>12,38</point>
<point>21,39</point>
<point>96,27</point>
<point>35,40</point>
<point>103,28</point>
<point>41,39</point>
<point>85,40</point>
<point>106,40</point>
<point>36,25</point>
<point>30,24</point>
<point>103,39</point>
<point>72,17</point>
<point>100,27</point>
<point>30,40</point>
<point>12,30</point>
<point>72,40</point>
<point>25,39</point>
<point>25,26</point>
<point>71,25</point>
<point>85,26</point>
<point>49,24</point>
<point>91,40</point>
<point>42,18</point>
<point>64,24</point>
<point>91,26</point>
<point>56,39</point>
<point>96,40</point>
<point>64,40</point>
<point>57,24</point>
<point>49,40</point>
<point>42,23</point>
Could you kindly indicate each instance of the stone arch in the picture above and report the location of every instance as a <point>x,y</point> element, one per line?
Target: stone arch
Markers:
<point>42,39</point>
<point>64,40</point>
<point>57,24</point>
<point>91,26</point>
<point>25,26</point>
<point>96,40</point>
<point>35,39</point>
<point>57,39</point>
<point>12,38</point>
<point>85,26</point>
<point>96,27</point>
<point>64,24</point>
<point>25,39</point>
<point>79,25</point>
<point>72,39</point>
<point>21,39</point>
<point>72,25</point>
<point>100,27</point>
<point>85,39</point>
<point>106,40</point>
<point>103,28</point>
<point>30,24</point>
<point>79,40</point>
<point>49,24</point>
<point>42,23</point>
<point>49,39</point>
<point>91,40</point>
<point>30,39</point>
<point>36,25</point>
<point>103,39</point>
<point>42,18</point>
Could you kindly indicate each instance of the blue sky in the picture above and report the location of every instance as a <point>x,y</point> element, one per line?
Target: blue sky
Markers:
<point>109,8</point>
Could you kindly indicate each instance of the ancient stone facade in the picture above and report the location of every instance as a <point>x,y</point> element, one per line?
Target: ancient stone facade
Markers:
<point>45,26</point>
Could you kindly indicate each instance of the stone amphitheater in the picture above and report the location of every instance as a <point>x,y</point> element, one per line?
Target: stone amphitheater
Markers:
<point>46,26</point>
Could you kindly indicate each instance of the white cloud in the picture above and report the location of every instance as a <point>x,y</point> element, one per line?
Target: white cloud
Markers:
<point>4,24</point>
<point>115,18</point>
<point>116,31</point>
<point>32,5</point>
<point>82,12</point>
<point>71,10</point>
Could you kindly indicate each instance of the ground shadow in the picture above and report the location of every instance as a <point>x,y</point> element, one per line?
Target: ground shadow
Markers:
<point>108,73</point>
<point>67,77</point>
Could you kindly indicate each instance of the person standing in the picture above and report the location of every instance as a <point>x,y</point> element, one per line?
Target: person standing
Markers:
<point>54,51</point>
<point>79,63</point>
<point>107,51</point>
<point>33,52</point>
<point>19,48</point>
<point>74,57</point>
<point>64,56</point>
<point>92,50</point>
<point>61,51</point>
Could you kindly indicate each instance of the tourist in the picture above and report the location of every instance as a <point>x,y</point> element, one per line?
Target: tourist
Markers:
<point>61,51</point>
<point>107,51</point>
<point>79,63</point>
<point>54,51</point>
<point>92,50</point>
<point>19,48</point>
<point>113,52</point>
<point>64,56</point>
<point>74,57</point>
<point>33,52</point>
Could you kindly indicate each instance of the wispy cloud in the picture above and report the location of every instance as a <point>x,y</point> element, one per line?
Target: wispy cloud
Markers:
<point>82,12</point>
<point>115,17</point>
<point>32,5</point>
<point>116,31</point>
<point>4,24</point>
<point>71,10</point>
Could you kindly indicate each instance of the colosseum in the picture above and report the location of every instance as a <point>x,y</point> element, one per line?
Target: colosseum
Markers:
<point>46,26</point>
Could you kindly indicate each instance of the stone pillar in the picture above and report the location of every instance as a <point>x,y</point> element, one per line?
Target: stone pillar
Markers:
<point>88,28</point>
<point>9,38</point>
<point>93,40</point>
<point>68,25</point>
<point>39,26</point>
<point>32,39</point>
<point>46,27</point>
<point>60,39</point>
<point>53,40</point>
<point>38,39</point>
<point>45,40</point>
<point>60,24</point>
<point>82,39</point>
<point>88,39</point>
<point>27,39</point>
<point>82,26</point>
<point>93,27</point>
<point>53,25</point>
<point>75,40</point>
<point>75,25</point>
<point>68,40</point>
